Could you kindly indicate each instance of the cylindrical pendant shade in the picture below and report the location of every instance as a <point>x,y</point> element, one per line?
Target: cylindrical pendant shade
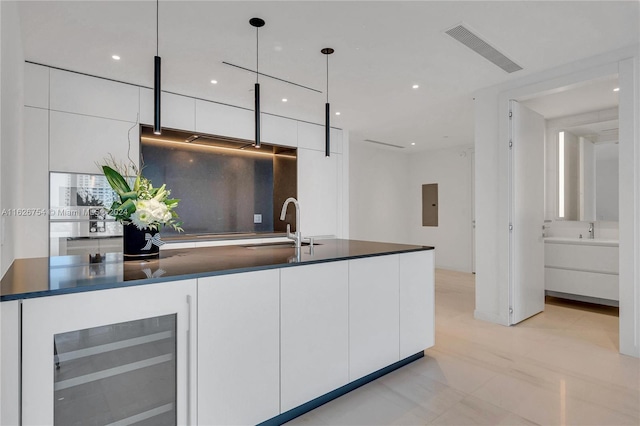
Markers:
<point>156,95</point>
<point>257,112</point>
<point>327,130</point>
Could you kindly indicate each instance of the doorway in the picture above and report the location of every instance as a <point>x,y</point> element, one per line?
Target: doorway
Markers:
<point>580,229</point>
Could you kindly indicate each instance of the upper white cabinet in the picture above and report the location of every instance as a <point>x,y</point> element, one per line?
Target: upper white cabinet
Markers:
<point>318,192</point>
<point>336,140</point>
<point>312,136</point>
<point>36,85</point>
<point>178,112</point>
<point>239,348</point>
<point>81,94</point>
<point>278,130</point>
<point>374,313</point>
<point>314,331</point>
<point>417,307</point>
<point>224,120</point>
<point>78,142</point>
<point>34,230</point>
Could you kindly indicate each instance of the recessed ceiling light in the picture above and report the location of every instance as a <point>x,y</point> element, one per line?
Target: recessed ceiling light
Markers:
<point>413,143</point>
<point>284,99</point>
<point>115,57</point>
<point>617,89</point>
<point>214,81</point>
<point>337,112</point>
<point>415,86</point>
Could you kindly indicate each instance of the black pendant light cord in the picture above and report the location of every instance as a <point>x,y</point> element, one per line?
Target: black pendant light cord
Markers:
<point>157,28</point>
<point>157,65</point>
<point>257,54</point>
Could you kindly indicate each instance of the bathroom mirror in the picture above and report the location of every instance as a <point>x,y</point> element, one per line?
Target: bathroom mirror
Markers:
<point>588,172</point>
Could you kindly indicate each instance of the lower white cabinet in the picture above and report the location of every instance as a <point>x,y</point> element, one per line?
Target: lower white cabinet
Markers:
<point>238,348</point>
<point>230,349</point>
<point>119,355</point>
<point>314,331</point>
<point>417,302</point>
<point>374,314</point>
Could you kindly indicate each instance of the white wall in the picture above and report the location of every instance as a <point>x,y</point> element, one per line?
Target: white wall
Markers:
<point>451,170</point>
<point>606,172</point>
<point>378,201</point>
<point>11,72</point>
<point>386,199</point>
<point>492,206</point>
<point>11,133</point>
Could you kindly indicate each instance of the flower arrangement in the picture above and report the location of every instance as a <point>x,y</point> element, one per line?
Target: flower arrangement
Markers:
<point>143,205</point>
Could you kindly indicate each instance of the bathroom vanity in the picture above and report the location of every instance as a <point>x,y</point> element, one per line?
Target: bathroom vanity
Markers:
<point>582,269</point>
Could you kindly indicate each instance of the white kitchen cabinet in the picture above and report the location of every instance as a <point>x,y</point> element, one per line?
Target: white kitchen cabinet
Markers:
<point>374,316</point>
<point>238,348</point>
<point>417,307</point>
<point>336,141</point>
<point>78,142</point>
<point>177,112</point>
<point>278,130</point>
<point>312,136</point>
<point>34,230</point>
<point>105,374</point>
<point>314,331</point>
<point>318,193</point>
<point>224,120</point>
<point>10,355</point>
<point>36,85</point>
<point>82,94</point>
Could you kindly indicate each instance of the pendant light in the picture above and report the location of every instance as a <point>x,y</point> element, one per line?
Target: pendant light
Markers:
<point>327,109</point>
<point>257,23</point>
<point>156,79</point>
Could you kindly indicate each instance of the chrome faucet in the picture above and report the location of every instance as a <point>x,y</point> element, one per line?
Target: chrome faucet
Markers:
<point>591,231</point>
<point>296,237</point>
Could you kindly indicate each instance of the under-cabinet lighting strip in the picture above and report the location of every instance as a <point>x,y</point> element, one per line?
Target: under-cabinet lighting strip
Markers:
<point>196,146</point>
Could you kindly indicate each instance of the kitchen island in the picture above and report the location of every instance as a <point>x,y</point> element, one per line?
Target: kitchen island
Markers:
<point>256,333</point>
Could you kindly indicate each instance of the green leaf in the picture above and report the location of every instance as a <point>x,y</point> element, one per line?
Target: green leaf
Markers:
<point>128,206</point>
<point>116,181</point>
<point>132,195</point>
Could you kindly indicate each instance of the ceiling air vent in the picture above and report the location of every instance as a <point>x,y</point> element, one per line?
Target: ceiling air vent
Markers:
<point>482,48</point>
<point>384,143</point>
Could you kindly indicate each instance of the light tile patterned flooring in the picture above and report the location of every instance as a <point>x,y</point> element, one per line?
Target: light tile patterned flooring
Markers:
<point>561,367</point>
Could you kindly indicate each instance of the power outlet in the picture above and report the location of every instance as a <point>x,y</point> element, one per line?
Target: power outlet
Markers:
<point>257,218</point>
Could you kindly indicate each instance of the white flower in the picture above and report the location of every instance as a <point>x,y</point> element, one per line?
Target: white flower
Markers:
<point>150,211</point>
<point>141,218</point>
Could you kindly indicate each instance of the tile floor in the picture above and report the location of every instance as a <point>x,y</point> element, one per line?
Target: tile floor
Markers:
<point>561,367</point>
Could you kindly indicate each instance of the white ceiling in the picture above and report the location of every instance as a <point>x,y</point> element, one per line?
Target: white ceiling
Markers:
<point>382,49</point>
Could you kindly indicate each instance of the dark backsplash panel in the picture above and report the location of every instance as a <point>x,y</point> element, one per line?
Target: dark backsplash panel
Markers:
<point>220,189</point>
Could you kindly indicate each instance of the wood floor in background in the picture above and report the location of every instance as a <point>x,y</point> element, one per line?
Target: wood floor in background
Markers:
<point>561,367</point>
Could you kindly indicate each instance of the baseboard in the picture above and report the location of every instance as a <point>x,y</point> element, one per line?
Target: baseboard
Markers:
<point>330,396</point>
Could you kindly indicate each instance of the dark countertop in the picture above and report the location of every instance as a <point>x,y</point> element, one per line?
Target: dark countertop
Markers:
<point>48,276</point>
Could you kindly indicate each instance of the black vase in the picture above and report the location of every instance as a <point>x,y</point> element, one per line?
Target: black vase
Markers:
<point>140,245</point>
